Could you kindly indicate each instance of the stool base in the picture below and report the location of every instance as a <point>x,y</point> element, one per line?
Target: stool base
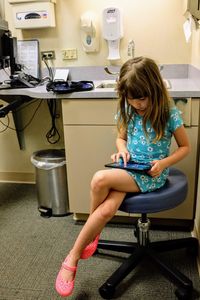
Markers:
<point>150,250</point>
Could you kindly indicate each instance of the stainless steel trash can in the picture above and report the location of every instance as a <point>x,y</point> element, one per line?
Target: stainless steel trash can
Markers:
<point>51,182</point>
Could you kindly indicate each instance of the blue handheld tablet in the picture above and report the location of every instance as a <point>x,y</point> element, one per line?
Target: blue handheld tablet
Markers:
<point>131,165</point>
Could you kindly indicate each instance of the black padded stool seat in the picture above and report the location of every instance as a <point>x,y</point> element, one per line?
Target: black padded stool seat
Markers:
<point>169,196</point>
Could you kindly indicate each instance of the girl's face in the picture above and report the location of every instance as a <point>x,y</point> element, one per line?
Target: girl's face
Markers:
<point>140,105</point>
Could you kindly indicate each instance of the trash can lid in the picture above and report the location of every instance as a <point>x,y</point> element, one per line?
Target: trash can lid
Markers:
<point>50,155</point>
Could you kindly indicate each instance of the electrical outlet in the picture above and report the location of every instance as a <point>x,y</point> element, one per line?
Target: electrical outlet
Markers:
<point>70,54</point>
<point>48,54</point>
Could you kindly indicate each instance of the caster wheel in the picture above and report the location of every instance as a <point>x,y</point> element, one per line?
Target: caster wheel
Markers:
<point>106,291</point>
<point>183,294</point>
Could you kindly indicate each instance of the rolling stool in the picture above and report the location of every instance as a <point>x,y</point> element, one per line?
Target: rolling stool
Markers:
<point>169,196</point>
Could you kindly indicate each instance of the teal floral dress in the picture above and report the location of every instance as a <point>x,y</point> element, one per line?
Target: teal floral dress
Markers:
<point>143,149</point>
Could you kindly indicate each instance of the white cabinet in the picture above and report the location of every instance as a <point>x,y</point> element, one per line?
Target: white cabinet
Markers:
<point>90,134</point>
<point>88,148</point>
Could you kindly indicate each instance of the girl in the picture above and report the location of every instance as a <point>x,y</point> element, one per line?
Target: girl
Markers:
<point>146,122</point>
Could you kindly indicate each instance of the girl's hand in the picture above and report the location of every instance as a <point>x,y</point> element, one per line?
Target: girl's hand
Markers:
<point>157,168</point>
<point>123,154</point>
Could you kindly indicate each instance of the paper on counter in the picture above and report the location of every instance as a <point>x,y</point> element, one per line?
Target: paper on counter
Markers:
<point>61,74</point>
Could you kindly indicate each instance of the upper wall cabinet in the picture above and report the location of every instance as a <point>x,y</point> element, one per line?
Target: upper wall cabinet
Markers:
<point>29,14</point>
<point>194,8</point>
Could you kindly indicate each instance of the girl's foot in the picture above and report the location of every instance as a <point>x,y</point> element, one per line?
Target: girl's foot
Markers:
<point>66,277</point>
<point>91,248</point>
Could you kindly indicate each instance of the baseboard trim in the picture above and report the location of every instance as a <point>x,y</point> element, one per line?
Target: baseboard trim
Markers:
<point>17,177</point>
<point>195,233</point>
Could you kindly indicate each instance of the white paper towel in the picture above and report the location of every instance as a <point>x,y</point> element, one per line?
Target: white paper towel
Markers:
<point>187,28</point>
<point>190,24</point>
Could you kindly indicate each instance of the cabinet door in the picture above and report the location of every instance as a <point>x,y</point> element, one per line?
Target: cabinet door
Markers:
<point>188,166</point>
<point>88,148</point>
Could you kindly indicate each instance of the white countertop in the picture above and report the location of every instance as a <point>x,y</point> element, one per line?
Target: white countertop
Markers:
<point>184,81</point>
<point>179,88</point>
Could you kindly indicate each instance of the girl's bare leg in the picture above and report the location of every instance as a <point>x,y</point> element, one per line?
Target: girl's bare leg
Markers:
<point>105,180</point>
<point>106,201</point>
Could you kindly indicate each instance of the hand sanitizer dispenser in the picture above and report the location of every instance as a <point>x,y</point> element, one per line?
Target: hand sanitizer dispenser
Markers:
<point>112,31</point>
<point>89,32</point>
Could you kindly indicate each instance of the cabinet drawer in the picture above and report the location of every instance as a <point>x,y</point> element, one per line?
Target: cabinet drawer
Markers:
<point>89,111</point>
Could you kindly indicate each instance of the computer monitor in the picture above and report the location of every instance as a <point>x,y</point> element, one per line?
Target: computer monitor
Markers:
<point>4,57</point>
<point>9,51</point>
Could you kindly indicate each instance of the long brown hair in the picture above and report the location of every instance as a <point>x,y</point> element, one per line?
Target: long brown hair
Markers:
<point>140,77</point>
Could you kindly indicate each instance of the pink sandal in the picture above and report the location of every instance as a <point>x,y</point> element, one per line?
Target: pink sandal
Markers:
<point>65,288</point>
<point>91,248</point>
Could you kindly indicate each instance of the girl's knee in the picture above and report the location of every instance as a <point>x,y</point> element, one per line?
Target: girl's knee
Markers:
<point>98,181</point>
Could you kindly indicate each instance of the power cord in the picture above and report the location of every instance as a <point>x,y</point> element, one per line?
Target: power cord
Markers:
<point>44,59</point>
<point>53,132</point>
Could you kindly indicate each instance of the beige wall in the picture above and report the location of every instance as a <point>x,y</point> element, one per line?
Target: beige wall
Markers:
<point>155,26</point>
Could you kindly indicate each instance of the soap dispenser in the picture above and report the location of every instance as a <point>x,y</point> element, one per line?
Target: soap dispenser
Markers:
<point>89,32</point>
<point>112,31</point>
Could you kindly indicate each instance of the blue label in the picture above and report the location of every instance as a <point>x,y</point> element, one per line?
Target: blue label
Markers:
<point>88,39</point>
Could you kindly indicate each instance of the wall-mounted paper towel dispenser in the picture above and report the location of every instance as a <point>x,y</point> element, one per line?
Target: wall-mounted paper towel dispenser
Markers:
<point>28,14</point>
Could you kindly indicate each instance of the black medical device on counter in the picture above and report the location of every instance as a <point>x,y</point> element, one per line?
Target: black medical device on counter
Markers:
<point>64,87</point>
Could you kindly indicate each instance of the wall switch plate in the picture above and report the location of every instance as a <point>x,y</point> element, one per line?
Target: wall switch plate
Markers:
<point>69,54</point>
